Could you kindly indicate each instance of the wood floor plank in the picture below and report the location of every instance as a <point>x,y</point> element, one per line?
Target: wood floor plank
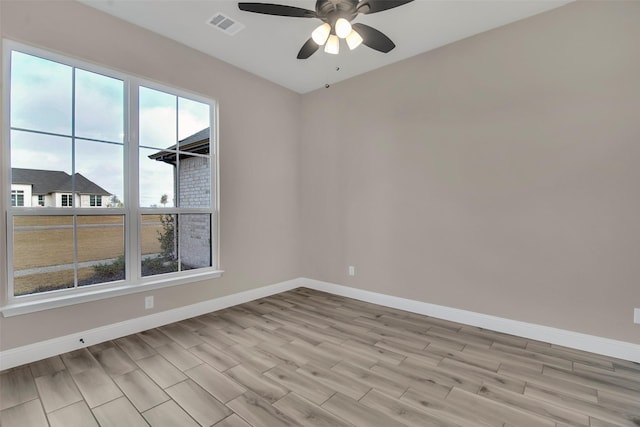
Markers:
<point>370,378</point>
<point>118,413</point>
<point>135,347</point>
<point>46,366</point>
<point>178,356</point>
<point>79,360</point>
<point>306,413</point>
<point>569,354</point>
<point>161,371</point>
<point>217,384</point>
<point>24,414</point>
<point>258,412</point>
<point>115,361</point>
<point>334,381</point>
<point>555,385</point>
<point>495,412</point>
<point>377,352</point>
<point>198,403</point>
<point>267,335</point>
<point>181,334</point>
<point>17,386</point>
<point>232,420</point>
<point>74,415</point>
<point>401,411</point>
<point>154,337</point>
<point>301,384</point>
<point>57,390</point>
<point>168,414</point>
<point>358,414</point>
<point>543,408</point>
<point>293,356</point>
<point>252,357</point>
<point>213,356</point>
<point>257,383</point>
<point>591,409</point>
<point>424,355</point>
<point>141,390</point>
<point>624,386</point>
<point>443,409</point>
<point>483,362</point>
<point>481,376</point>
<point>412,379</point>
<point>96,387</point>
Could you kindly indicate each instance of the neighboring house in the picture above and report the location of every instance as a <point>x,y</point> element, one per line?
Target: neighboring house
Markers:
<point>193,191</point>
<point>35,187</point>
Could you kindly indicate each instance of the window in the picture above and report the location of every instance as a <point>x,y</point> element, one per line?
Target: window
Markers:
<point>69,136</point>
<point>17,197</point>
<point>66,200</point>
<point>95,200</point>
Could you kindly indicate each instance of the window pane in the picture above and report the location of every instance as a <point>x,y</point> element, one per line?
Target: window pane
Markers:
<point>100,249</point>
<point>40,94</point>
<point>158,119</point>
<point>194,182</point>
<point>159,244</point>
<point>101,166</point>
<point>193,117</point>
<point>42,253</point>
<point>35,151</point>
<point>99,107</point>
<point>195,241</point>
<point>156,178</point>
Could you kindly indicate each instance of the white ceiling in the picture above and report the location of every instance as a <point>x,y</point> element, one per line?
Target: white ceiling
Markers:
<point>268,45</point>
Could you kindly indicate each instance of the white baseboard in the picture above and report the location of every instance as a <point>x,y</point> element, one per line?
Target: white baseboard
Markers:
<point>41,350</point>
<point>576,340</point>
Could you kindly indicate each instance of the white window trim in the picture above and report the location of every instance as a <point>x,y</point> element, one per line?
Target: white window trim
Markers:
<point>11,305</point>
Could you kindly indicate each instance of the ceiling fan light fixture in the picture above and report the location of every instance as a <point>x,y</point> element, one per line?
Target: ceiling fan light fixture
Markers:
<point>333,45</point>
<point>354,39</point>
<point>343,28</point>
<point>321,34</point>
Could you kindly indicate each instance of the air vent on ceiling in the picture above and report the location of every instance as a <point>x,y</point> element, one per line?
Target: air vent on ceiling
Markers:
<point>225,24</point>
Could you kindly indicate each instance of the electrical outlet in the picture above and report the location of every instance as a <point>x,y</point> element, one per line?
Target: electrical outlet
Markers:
<point>352,270</point>
<point>636,315</point>
<point>148,302</point>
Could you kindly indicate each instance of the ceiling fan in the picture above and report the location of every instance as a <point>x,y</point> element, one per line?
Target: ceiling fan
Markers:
<point>336,16</point>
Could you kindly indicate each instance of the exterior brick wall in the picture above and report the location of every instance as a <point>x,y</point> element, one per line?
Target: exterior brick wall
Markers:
<point>195,229</point>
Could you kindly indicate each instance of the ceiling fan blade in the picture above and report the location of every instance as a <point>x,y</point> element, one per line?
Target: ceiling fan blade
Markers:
<point>374,38</point>
<point>373,6</point>
<point>277,9</point>
<point>308,49</point>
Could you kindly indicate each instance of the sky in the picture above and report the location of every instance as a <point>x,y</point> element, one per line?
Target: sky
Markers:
<point>42,100</point>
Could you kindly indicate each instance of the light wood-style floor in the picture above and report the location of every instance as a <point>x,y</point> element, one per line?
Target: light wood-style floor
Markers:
<point>313,359</point>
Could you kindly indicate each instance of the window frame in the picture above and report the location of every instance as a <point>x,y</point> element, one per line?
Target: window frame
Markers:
<point>132,212</point>
<point>16,195</point>
<point>66,200</point>
<point>95,200</point>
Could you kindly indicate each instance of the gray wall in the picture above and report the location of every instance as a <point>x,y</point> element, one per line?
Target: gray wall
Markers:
<point>499,174</point>
<point>258,155</point>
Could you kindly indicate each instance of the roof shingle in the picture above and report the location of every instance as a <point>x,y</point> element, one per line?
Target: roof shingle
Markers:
<point>46,182</point>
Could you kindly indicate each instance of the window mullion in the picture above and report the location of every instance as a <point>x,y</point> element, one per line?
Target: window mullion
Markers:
<point>133,243</point>
<point>73,203</point>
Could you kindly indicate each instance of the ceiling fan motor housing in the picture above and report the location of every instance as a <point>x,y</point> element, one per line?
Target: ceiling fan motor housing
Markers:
<point>330,11</point>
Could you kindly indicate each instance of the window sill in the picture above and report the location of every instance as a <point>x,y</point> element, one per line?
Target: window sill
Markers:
<point>32,306</point>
